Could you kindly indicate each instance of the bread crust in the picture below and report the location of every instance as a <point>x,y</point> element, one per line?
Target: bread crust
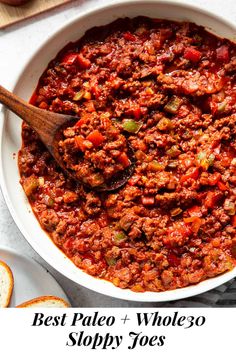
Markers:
<point>43,300</point>
<point>10,285</point>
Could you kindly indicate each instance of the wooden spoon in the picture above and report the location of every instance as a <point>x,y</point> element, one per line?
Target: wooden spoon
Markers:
<point>14,2</point>
<point>49,127</point>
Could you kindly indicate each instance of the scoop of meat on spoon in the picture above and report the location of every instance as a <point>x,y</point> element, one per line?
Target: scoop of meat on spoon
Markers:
<point>91,151</point>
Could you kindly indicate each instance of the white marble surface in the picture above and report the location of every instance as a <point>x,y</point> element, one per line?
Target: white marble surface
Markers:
<point>17,43</point>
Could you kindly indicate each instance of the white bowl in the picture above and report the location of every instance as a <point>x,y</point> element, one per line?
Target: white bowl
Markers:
<point>10,134</point>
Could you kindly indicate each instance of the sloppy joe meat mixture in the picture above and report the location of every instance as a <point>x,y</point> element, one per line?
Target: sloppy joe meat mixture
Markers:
<point>168,89</point>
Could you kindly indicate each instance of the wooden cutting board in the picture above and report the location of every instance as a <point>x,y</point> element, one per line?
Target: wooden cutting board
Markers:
<point>12,14</point>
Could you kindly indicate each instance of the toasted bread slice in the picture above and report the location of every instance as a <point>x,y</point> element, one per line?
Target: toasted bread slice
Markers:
<point>45,301</point>
<point>6,284</point>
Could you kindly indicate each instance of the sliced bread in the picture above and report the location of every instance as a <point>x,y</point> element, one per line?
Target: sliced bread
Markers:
<point>6,284</point>
<point>45,301</point>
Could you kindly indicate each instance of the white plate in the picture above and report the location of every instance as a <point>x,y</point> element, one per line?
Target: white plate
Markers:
<point>10,136</point>
<point>30,279</point>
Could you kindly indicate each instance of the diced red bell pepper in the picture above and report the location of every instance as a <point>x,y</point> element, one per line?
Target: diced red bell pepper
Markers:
<point>215,143</point>
<point>195,221</point>
<point>192,54</point>
<point>129,36</point>
<point>70,58</point>
<point>89,106</point>
<point>94,87</point>
<point>80,123</point>
<point>233,221</point>
<point>147,267</point>
<point>222,53</point>
<point>123,159</point>
<point>192,172</point>
<point>212,198</point>
<point>176,235</point>
<point>83,62</point>
<point>33,98</point>
<point>79,142</point>
<point>75,58</point>
<point>173,260</point>
<point>136,113</point>
<point>195,210</point>
<point>148,200</point>
<point>222,186</point>
<point>96,138</point>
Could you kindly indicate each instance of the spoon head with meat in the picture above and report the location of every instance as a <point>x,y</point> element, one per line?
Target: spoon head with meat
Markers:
<point>95,152</point>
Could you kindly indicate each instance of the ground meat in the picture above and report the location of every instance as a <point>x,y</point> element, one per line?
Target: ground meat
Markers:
<point>127,220</point>
<point>49,219</point>
<point>168,91</point>
<point>93,204</point>
<point>94,150</point>
<point>231,66</point>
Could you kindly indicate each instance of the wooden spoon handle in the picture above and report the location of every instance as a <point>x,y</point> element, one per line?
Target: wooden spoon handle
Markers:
<point>43,122</point>
<point>16,104</point>
<point>34,116</point>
